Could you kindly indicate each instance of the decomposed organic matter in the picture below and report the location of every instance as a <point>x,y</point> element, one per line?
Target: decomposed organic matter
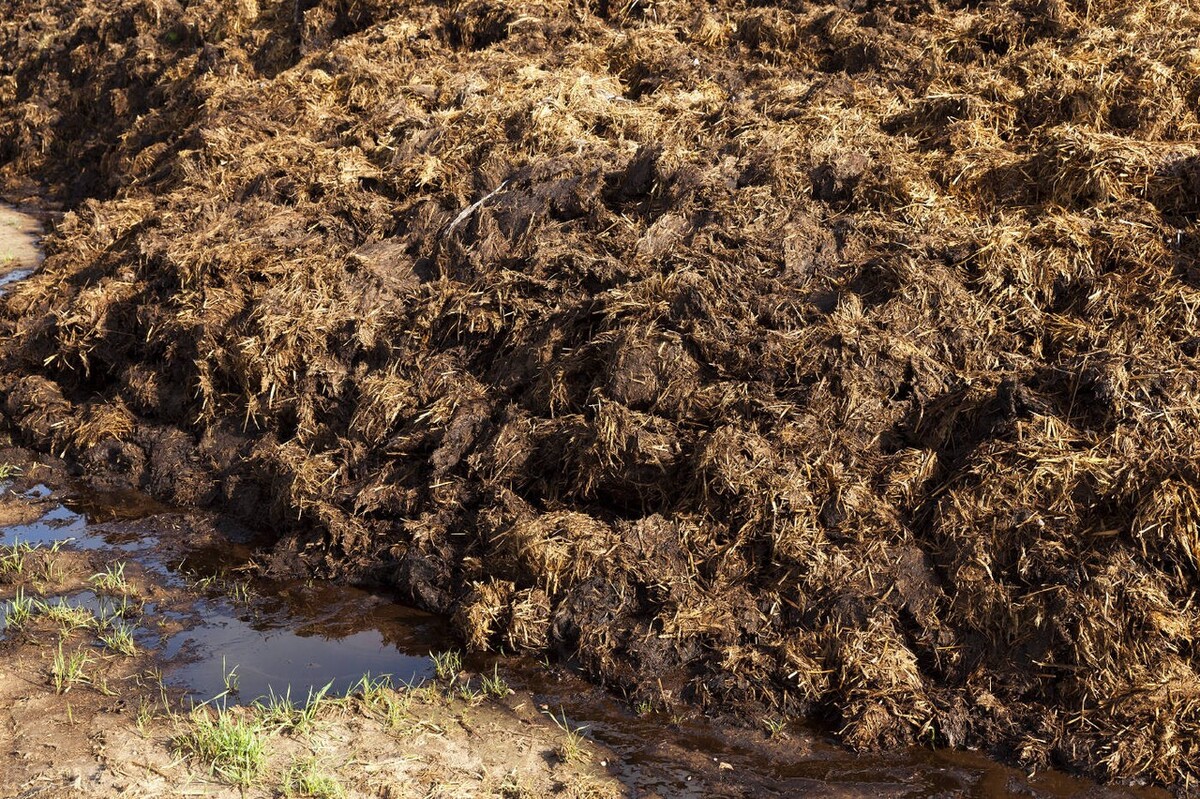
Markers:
<point>817,360</point>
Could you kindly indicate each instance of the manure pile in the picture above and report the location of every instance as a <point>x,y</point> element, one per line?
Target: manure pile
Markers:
<point>829,359</point>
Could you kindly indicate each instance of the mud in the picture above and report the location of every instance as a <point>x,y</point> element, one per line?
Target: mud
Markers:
<point>19,250</point>
<point>119,726</point>
<point>207,613</point>
<point>833,360</point>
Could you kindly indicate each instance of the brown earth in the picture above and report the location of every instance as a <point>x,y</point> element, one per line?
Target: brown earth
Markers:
<point>837,357</point>
<point>18,247</point>
<point>115,729</point>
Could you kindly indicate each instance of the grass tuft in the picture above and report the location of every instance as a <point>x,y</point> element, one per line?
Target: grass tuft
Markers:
<point>230,746</point>
<point>119,638</point>
<point>19,611</point>
<point>495,686</point>
<point>305,778</point>
<point>145,715</point>
<point>68,617</point>
<point>13,557</point>
<point>447,665</point>
<point>68,670</point>
<point>282,714</point>
<point>571,747</point>
<point>112,579</point>
<point>774,726</point>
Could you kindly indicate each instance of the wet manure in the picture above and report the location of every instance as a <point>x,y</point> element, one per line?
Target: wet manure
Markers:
<point>833,361</point>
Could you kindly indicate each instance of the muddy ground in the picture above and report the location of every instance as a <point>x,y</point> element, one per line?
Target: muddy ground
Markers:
<point>119,616</point>
<point>836,360</point>
<point>18,242</point>
<point>85,711</point>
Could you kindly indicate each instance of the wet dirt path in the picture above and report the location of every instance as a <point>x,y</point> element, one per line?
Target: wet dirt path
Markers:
<point>138,660</point>
<point>19,251</point>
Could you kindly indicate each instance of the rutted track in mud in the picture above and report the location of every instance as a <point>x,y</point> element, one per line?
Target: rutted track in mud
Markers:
<point>834,361</point>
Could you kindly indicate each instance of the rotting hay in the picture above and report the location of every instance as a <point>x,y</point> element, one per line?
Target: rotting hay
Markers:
<point>836,358</point>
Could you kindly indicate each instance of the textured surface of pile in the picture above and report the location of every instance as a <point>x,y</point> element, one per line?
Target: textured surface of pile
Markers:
<point>835,357</point>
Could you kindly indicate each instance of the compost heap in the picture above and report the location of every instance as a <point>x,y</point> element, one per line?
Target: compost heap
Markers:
<point>828,360</point>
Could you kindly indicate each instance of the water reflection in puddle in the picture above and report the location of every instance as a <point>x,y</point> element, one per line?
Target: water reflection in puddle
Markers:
<point>61,525</point>
<point>276,652</point>
<point>13,277</point>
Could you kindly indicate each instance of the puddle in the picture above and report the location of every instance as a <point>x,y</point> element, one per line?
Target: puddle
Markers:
<point>280,637</point>
<point>277,647</point>
<point>683,757</point>
<point>295,638</point>
<point>61,526</point>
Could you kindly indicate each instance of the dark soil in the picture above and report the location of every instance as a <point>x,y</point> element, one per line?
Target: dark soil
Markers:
<point>836,359</point>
